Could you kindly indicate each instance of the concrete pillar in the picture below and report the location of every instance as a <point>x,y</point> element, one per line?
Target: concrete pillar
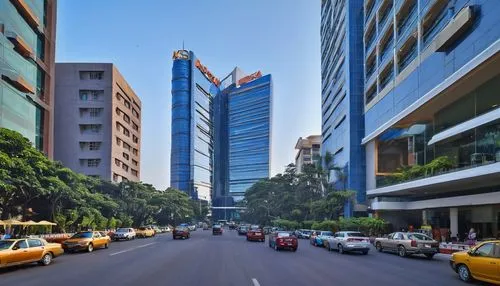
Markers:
<point>454,222</point>
<point>424,217</point>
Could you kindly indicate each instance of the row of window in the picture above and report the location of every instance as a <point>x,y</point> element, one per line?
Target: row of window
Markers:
<point>91,112</point>
<point>90,128</point>
<point>91,163</point>
<point>126,118</point>
<point>125,167</point>
<point>91,95</point>
<point>126,146</point>
<point>90,146</point>
<point>91,75</point>
<point>127,104</point>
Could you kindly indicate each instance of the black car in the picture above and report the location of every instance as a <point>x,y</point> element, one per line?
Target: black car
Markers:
<point>242,230</point>
<point>217,229</point>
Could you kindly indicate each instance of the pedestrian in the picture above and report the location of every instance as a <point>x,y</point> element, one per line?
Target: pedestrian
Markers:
<point>471,237</point>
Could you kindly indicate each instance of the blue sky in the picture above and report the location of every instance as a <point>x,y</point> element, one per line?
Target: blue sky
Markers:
<point>280,37</point>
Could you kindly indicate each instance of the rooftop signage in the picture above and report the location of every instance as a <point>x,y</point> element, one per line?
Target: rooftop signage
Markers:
<point>249,77</point>
<point>207,73</point>
<point>180,55</point>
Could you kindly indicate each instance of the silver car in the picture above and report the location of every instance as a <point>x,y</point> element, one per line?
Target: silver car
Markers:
<point>347,241</point>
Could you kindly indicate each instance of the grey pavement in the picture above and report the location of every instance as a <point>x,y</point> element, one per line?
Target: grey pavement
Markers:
<point>228,260</point>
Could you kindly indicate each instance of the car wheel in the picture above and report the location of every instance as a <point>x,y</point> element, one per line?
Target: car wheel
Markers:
<point>402,251</point>
<point>326,244</point>
<point>295,249</point>
<point>378,246</point>
<point>365,252</point>
<point>106,245</point>
<point>464,273</point>
<point>276,247</point>
<point>341,249</point>
<point>90,247</point>
<point>429,256</point>
<point>128,237</point>
<point>46,259</point>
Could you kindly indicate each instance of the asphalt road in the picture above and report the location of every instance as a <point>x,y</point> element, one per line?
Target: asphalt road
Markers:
<point>228,260</point>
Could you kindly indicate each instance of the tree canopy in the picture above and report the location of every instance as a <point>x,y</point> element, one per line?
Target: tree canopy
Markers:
<point>34,187</point>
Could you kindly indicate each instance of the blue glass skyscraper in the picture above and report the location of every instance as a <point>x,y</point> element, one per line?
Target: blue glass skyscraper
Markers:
<point>221,132</point>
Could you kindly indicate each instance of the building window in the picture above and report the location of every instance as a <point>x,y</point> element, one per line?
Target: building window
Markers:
<point>135,152</point>
<point>115,177</point>
<point>125,155</point>
<point>94,146</point>
<point>84,96</point>
<point>135,139</point>
<point>126,118</point>
<point>125,167</point>
<point>95,112</point>
<point>93,163</point>
<point>93,75</point>
<point>135,126</point>
<point>134,162</point>
<point>126,132</point>
<point>134,172</point>
<point>372,92</point>
<point>91,95</point>
<point>117,162</point>
<point>118,141</point>
<point>127,104</point>
<point>93,128</point>
<point>135,113</point>
<point>126,146</point>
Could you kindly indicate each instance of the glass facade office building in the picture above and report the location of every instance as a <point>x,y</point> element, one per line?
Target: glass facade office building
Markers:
<point>432,113</point>
<point>220,132</point>
<point>27,34</point>
<point>342,95</point>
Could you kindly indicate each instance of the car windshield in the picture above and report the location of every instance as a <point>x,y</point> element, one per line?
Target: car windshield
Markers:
<point>5,244</point>
<point>419,236</point>
<point>142,228</point>
<point>217,226</point>
<point>284,234</point>
<point>82,235</point>
<point>327,233</point>
<point>355,234</point>
<point>255,227</point>
<point>244,227</point>
<point>306,232</point>
<point>122,230</point>
<point>180,228</point>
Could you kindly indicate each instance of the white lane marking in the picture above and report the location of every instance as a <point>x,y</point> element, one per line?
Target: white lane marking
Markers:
<point>120,252</point>
<point>144,245</point>
<point>255,282</point>
<point>130,249</point>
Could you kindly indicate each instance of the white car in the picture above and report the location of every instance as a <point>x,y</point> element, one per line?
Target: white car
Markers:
<point>127,233</point>
<point>347,241</point>
<point>192,227</point>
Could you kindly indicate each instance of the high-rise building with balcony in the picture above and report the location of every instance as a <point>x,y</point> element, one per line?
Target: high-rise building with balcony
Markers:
<point>27,49</point>
<point>221,133</point>
<point>342,95</point>
<point>98,122</point>
<point>308,152</point>
<point>432,113</point>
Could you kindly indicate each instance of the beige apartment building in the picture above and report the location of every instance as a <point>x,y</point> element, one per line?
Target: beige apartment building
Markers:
<point>97,122</point>
<point>308,151</point>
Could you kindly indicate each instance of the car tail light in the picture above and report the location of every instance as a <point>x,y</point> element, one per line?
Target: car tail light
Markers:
<point>279,240</point>
<point>413,243</point>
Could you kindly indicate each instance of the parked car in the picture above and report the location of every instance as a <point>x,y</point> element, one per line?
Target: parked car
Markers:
<point>192,227</point>
<point>347,241</point>
<point>217,229</point>
<point>205,226</point>
<point>481,262</point>
<point>255,233</point>
<point>408,243</point>
<point>320,237</point>
<point>304,233</point>
<point>86,240</point>
<point>22,251</point>
<point>283,240</point>
<point>144,232</point>
<point>243,229</point>
<point>127,233</point>
<point>181,232</point>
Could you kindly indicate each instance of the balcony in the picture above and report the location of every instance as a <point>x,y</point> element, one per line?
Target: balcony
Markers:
<point>369,14</point>
<point>386,76</point>
<point>371,93</point>
<point>437,25</point>
<point>19,44</point>
<point>407,53</point>
<point>405,25</point>
<point>387,51</point>
<point>385,17</point>
<point>12,77</point>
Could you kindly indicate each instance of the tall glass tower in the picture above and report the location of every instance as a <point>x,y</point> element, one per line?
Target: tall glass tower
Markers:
<point>221,132</point>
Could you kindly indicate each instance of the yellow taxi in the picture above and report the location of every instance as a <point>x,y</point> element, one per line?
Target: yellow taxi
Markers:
<point>145,231</point>
<point>87,241</point>
<point>481,262</point>
<point>22,251</point>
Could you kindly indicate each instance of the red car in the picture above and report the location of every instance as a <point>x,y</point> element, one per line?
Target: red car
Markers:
<point>255,233</point>
<point>283,240</point>
<point>181,232</point>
